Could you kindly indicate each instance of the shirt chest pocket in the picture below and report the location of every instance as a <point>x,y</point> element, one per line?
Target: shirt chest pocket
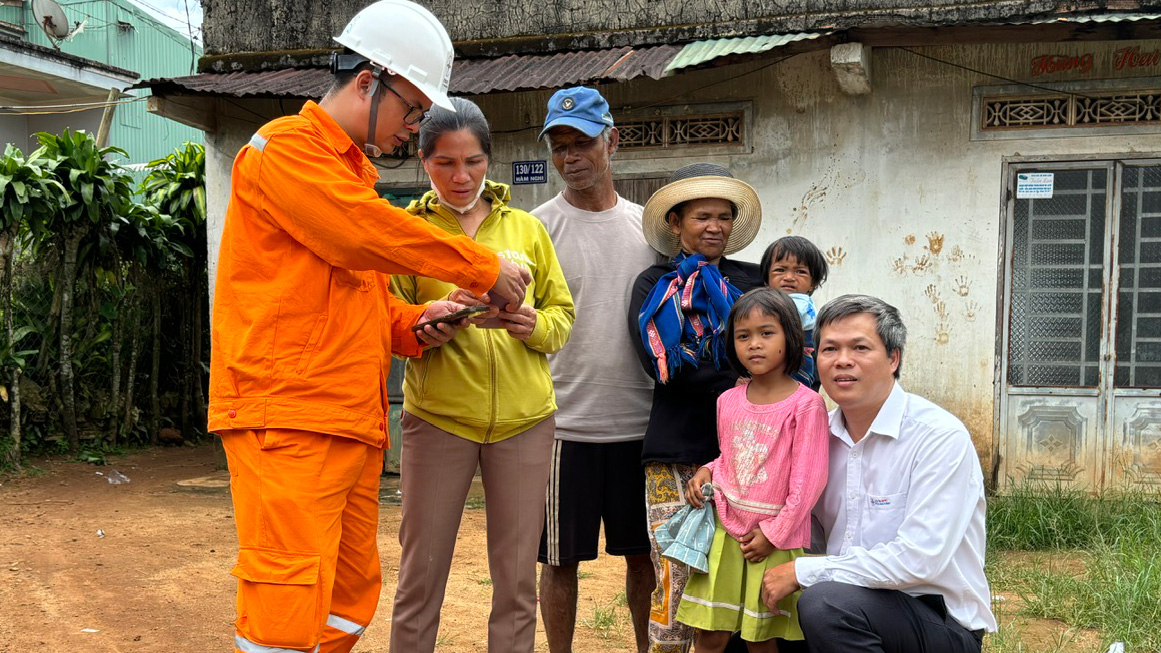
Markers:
<point>884,514</point>
<point>359,280</point>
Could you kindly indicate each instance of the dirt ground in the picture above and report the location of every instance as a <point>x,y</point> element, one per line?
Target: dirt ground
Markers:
<point>158,579</point>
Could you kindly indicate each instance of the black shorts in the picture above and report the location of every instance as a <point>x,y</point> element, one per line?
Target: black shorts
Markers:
<point>588,483</point>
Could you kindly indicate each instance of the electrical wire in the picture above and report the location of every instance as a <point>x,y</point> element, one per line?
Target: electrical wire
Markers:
<point>952,64</point>
<point>49,109</point>
<point>102,103</point>
<point>4,110</point>
<point>192,52</point>
<point>668,99</point>
<point>985,73</point>
<point>262,120</point>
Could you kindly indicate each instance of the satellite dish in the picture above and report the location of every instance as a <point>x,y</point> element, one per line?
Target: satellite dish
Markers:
<point>53,21</point>
<point>51,18</point>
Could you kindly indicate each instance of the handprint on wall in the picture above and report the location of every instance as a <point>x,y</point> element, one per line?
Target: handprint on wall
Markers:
<point>934,243</point>
<point>963,286</point>
<point>932,293</point>
<point>970,310</point>
<point>835,256</point>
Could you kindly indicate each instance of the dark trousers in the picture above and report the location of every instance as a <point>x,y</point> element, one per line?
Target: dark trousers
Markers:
<point>841,618</point>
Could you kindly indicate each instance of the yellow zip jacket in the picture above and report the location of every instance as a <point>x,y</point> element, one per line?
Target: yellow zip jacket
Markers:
<point>485,385</point>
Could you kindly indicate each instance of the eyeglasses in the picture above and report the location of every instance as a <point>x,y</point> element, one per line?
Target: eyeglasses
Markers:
<point>408,119</point>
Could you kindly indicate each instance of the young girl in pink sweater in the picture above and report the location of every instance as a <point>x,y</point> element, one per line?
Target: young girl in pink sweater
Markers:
<point>773,434</point>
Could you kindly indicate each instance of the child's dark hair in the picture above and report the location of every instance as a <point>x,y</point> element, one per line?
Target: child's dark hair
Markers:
<point>801,249</point>
<point>776,304</point>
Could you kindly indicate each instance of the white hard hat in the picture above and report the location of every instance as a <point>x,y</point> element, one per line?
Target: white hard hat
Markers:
<point>407,40</point>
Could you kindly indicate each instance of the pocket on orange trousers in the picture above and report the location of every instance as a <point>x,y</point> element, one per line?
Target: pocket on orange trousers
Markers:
<point>278,598</point>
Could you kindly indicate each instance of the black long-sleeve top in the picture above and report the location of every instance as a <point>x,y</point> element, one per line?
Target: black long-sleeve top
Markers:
<point>683,419</point>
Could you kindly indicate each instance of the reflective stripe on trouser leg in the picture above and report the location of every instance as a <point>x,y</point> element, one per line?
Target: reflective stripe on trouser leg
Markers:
<point>664,496</point>
<point>246,646</point>
<point>347,626</point>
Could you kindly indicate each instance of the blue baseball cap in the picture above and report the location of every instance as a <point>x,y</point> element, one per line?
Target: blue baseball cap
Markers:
<point>579,107</point>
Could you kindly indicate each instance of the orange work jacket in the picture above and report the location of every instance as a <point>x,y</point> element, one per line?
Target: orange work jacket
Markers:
<point>303,323</point>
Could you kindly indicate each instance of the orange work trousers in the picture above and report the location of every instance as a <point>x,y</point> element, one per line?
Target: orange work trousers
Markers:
<point>306,506</point>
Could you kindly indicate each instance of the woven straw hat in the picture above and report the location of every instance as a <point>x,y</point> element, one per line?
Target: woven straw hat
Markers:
<point>701,181</point>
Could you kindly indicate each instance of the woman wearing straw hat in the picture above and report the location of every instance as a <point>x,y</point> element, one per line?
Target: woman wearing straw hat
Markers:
<point>677,317</point>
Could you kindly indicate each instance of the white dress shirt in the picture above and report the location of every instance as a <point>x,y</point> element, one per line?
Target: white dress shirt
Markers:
<point>903,509</point>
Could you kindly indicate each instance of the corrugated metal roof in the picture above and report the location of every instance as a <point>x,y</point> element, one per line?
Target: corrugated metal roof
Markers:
<point>1083,18</point>
<point>287,83</point>
<point>527,72</point>
<point>700,52</point>
<point>469,77</point>
<point>521,72</point>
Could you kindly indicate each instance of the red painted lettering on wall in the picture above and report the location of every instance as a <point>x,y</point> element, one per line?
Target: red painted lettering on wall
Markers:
<point>1046,64</point>
<point>1134,58</point>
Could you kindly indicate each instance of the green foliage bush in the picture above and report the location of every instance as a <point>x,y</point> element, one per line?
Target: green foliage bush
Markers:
<point>87,253</point>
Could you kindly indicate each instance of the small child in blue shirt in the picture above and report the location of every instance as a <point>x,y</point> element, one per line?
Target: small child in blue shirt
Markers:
<point>796,266</point>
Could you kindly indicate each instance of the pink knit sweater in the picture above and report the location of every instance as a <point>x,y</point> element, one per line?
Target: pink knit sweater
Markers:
<point>773,465</point>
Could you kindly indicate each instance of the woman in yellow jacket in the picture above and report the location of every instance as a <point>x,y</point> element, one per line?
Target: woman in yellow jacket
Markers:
<point>484,398</point>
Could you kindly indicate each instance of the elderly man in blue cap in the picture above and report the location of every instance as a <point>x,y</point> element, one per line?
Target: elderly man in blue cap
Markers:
<point>602,393</point>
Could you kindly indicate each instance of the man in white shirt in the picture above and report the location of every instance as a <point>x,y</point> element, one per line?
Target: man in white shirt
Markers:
<point>603,395</point>
<point>903,510</point>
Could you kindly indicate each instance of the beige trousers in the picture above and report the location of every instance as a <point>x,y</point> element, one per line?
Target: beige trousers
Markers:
<point>437,471</point>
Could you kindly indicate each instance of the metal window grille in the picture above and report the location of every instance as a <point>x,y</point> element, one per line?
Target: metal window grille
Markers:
<point>1138,332</point>
<point>679,131</point>
<point>1057,277</point>
<point>1093,109</point>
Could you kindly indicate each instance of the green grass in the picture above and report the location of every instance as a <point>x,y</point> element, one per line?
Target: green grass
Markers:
<point>1040,518</point>
<point>1101,571</point>
<point>581,575</point>
<point>474,503</point>
<point>604,621</point>
<point>483,581</point>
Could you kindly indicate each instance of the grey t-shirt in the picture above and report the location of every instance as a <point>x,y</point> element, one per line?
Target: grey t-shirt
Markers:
<point>602,393</point>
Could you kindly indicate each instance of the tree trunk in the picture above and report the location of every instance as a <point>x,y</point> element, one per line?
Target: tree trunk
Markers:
<point>67,282</point>
<point>131,375</point>
<point>53,315</point>
<point>115,393</point>
<point>118,331</point>
<point>7,246</point>
<point>187,363</point>
<point>154,399</point>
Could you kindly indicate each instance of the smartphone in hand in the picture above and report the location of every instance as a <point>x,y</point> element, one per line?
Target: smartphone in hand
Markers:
<point>453,317</point>
<point>500,302</point>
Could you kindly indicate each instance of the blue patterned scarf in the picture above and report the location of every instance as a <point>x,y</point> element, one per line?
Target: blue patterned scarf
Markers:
<point>684,316</point>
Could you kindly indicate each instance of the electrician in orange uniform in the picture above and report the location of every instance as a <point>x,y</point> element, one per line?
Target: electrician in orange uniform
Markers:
<point>304,328</point>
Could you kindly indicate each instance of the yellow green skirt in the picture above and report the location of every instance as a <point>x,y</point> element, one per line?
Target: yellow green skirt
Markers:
<point>729,597</point>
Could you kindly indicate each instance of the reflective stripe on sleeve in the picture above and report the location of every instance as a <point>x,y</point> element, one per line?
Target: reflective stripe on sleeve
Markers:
<point>246,646</point>
<point>257,142</point>
<point>347,626</point>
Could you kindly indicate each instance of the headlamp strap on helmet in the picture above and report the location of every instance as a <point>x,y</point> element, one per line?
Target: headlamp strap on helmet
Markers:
<point>343,62</point>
